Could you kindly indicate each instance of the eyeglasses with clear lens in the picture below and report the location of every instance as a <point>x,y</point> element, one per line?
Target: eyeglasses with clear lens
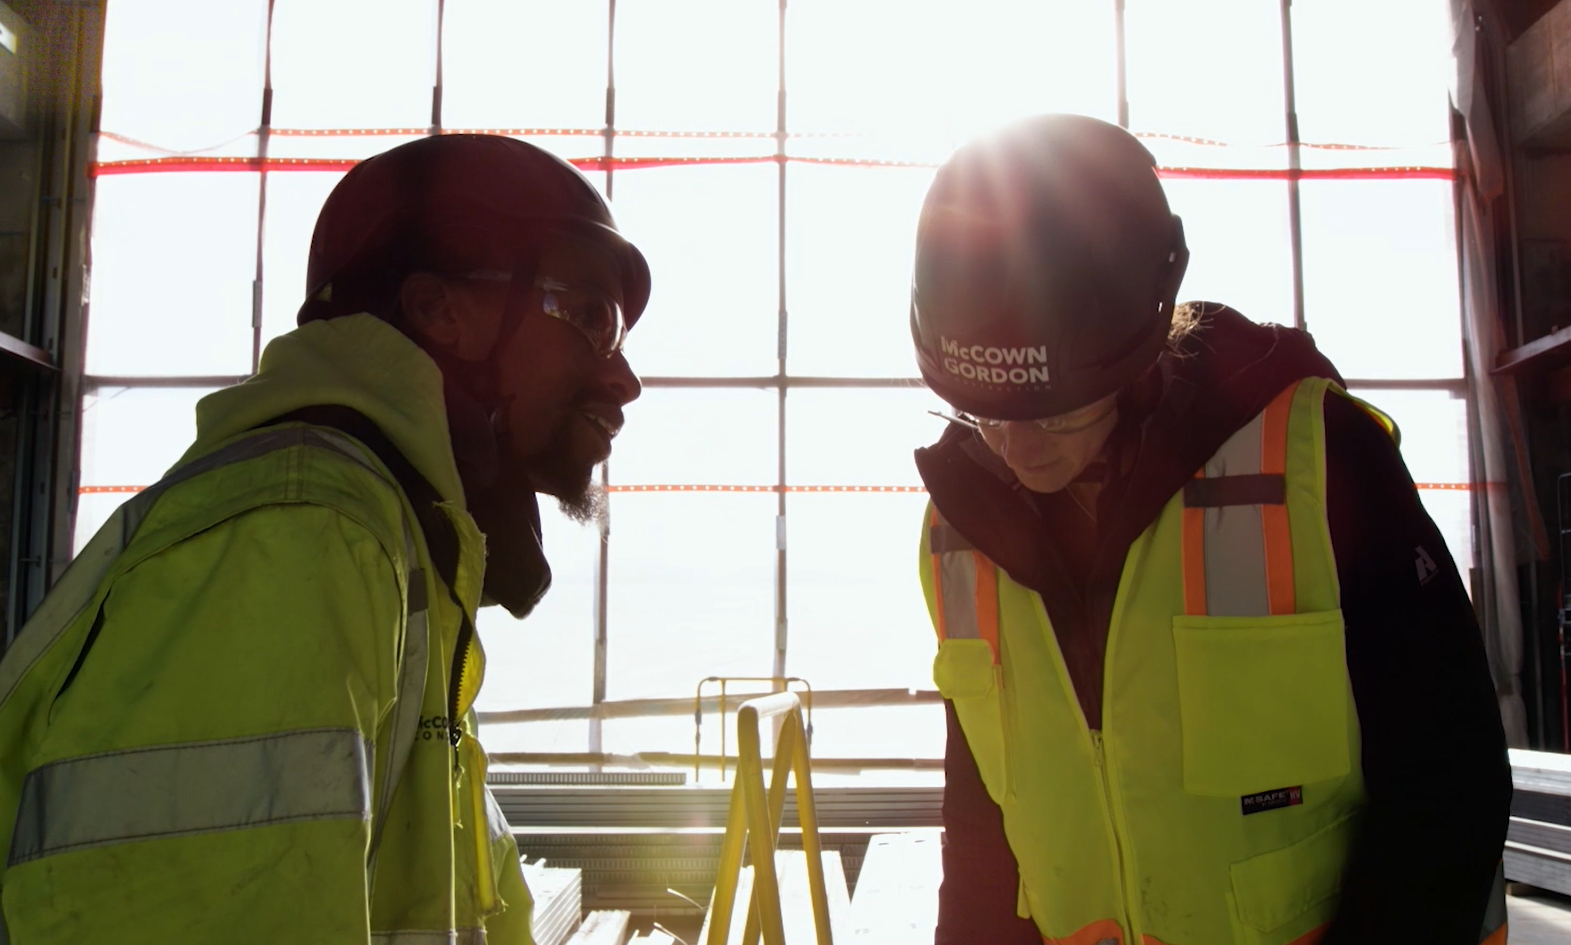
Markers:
<point>1061,425</point>
<point>593,311</point>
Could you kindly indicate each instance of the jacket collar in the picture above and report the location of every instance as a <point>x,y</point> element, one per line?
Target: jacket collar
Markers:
<point>357,361</point>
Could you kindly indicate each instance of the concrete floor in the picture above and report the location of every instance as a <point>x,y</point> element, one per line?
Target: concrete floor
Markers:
<point>1539,919</point>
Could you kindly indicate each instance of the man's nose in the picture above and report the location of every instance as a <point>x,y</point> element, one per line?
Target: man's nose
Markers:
<point>619,380</point>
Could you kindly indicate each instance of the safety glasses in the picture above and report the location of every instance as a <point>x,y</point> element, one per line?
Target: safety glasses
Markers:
<point>1062,425</point>
<point>593,311</point>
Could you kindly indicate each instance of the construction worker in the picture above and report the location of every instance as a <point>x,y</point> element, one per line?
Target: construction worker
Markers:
<point>1210,674</point>
<point>243,715</point>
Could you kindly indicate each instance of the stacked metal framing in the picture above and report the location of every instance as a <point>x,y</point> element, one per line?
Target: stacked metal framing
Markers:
<point>1538,845</point>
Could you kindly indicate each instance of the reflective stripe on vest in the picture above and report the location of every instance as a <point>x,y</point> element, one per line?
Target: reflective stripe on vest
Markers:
<point>83,579</point>
<point>1103,932</point>
<point>1494,930</point>
<point>966,582</point>
<point>201,787</point>
<point>1235,508</point>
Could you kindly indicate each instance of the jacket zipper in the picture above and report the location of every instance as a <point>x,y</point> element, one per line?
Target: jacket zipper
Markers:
<point>485,881</point>
<point>460,673</point>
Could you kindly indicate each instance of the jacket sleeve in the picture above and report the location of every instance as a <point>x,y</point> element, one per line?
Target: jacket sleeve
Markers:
<point>212,749</point>
<point>976,902</point>
<point>1434,754</point>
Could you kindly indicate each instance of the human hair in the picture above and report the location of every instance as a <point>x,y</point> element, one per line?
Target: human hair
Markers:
<point>1187,317</point>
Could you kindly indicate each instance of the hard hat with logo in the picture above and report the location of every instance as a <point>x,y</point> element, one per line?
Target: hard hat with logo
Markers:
<point>1047,265</point>
<point>403,208</point>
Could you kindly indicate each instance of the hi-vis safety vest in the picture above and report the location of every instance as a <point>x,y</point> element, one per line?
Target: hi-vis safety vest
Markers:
<point>1217,803</point>
<point>381,834</point>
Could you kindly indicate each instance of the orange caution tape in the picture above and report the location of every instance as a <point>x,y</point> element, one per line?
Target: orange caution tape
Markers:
<point>1422,486</point>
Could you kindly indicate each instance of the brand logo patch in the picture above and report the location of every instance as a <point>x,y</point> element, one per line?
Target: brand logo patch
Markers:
<point>1271,800</point>
<point>1427,569</point>
<point>1018,367</point>
<point>438,728</point>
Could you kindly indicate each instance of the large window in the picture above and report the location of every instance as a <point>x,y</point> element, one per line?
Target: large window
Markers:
<point>764,509</point>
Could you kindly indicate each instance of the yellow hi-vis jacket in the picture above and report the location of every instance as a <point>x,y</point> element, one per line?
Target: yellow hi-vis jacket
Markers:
<point>228,722</point>
<point>1217,803</point>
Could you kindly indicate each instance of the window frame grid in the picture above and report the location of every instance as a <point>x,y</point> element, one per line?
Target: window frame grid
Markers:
<point>782,381</point>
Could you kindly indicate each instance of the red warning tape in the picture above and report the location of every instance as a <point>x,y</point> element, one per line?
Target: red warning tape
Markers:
<point>1424,486</point>
<point>189,165</point>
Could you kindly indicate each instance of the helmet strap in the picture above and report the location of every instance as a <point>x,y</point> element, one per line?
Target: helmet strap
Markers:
<point>489,373</point>
<point>1177,265</point>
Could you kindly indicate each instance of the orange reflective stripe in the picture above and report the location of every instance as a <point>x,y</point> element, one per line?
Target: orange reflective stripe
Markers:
<point>1273,518</point>
<point>987,601</point>
<point>938,582</point>
<point>1310,937</point>
<point>1194,559</point>
<point>1498,938</point>
<point>1102,932</point>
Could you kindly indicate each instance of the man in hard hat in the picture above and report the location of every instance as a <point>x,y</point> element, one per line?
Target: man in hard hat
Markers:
<point>244,713</point>
<point>1210,674</point>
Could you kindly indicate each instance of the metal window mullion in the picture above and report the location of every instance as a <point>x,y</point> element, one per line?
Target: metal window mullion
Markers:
<point>1294,164</point>
<point>781,614</point>
<point>436,84</point>
<point>49,428</point>
<point>263,134</point>
<point>610,93</point>
<point>603,561</point>
<point>1455,386</point>
<point>65,439</point>
<point>1120,64</point>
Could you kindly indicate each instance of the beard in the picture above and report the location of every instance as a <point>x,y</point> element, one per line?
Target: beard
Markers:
<point>586,506</point>
<point>561,471</point>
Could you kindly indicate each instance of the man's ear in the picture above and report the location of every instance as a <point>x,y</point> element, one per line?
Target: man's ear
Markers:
<point>432,313</point>
<point>445,317</point>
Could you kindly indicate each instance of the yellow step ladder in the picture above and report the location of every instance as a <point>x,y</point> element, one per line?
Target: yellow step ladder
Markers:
<point>754,821</point>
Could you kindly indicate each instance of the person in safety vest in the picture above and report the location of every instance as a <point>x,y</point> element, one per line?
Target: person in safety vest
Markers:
<point>243,715</point>
<point>1210,674</point>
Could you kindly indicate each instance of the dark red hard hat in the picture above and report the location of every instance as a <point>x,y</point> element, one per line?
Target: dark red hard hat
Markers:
<point>389,213</point>
<point>1047,264</point>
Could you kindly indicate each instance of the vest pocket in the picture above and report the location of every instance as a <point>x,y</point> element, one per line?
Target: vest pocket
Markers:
<point>966,675</point>
<point>1262,700</point>
<point>1295,886</point>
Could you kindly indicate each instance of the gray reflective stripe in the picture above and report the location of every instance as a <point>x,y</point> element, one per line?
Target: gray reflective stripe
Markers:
<point>412,660</point>
<point>957,576</point>
<point>1495,912</point>
<point>1235,534</point>
<point>80,583</point>
<point>201,787</point>
<point>64,603</point>
<point>450,937</point>
<point>495,819</point>
<point>411,686</point>
<point>942,538</point>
